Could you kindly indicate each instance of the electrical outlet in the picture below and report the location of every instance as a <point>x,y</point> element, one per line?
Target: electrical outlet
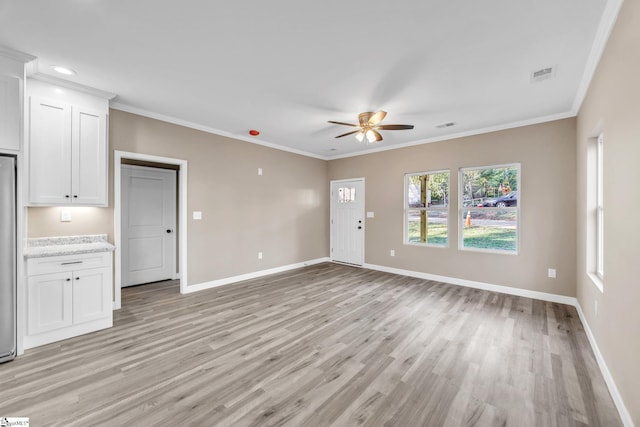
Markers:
<point>197,215</point>
<point>552,273</point>
<point>65,215</point>
<point>371,214</point>
<point>392,252</point>
<point>259,255</point>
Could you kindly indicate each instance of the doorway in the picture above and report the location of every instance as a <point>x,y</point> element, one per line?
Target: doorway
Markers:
<point>347,221</point>
<point>148,220</point>
<point>180,230</point>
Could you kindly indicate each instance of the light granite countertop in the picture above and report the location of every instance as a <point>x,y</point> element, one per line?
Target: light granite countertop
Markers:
<point>67,245</point>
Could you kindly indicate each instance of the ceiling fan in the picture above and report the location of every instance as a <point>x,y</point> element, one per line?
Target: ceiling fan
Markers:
<point>369,126</point>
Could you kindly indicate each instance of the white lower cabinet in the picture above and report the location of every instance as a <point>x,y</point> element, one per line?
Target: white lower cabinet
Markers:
<point>67,296</point>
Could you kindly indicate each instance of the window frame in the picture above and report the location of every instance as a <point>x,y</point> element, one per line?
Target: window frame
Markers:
<point>599,208</point>
<point>463,209</point>
<point>407,208</point>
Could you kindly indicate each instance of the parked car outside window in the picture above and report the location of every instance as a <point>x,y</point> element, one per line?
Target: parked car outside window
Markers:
<point>510,199</point>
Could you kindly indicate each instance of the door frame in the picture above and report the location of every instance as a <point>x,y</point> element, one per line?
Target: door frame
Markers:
<point>117,224</point>
<point>331,207</point>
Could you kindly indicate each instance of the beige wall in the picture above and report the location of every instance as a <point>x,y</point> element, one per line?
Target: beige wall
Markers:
<point>283,213</point>
<point>612,105</point>
<point>546,153</point>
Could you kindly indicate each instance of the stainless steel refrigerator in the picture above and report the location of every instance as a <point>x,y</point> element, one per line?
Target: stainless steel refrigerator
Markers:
<point>7,258</point>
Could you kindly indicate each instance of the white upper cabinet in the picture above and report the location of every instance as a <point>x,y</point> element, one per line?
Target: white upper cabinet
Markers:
<point>10,115</point>
<point>12,77</point>
<point>89,157</point>
<point>49,152</point>
<point>67,153</point>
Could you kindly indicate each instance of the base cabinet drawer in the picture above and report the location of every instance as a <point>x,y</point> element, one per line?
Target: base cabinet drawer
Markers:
<point>68,303</point>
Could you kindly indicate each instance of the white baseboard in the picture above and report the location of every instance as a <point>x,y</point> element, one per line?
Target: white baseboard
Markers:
<point>477,285</point>
<point>608,378</point>
<point>253,275</point>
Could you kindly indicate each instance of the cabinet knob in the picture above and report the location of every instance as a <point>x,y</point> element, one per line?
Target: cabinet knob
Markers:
<point>68,280</point>
<point>75,196</point>
<point>77,278</point>
<point>67,196</point>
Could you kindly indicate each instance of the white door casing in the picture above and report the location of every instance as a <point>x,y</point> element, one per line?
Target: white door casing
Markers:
<point>347,221</point>
<point>148,219</point>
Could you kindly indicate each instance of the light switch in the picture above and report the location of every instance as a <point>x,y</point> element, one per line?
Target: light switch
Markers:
<point>370,214</point>
<point>65,215</point>
<point>259,171</point>
<point>197,215</point>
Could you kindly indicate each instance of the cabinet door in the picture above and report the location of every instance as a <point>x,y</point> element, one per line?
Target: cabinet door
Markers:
<point>91,294</point>
<point>10,117</point>
<point>50,299</point>
<point>89,158</point>
<point>49,152</point>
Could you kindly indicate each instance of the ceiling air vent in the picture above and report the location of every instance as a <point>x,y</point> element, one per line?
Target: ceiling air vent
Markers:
<point>543,74</point>
<point>446,125</point>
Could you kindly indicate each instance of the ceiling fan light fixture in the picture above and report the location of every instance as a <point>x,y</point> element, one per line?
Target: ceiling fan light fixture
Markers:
<point>371,137</point>
<point>369,127</point>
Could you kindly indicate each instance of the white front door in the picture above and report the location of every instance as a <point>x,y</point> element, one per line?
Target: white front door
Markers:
<point>148,224</point>
<point>347,221</point>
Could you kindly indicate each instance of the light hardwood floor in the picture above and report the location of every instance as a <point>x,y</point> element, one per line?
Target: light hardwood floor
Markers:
<point>323,345</point>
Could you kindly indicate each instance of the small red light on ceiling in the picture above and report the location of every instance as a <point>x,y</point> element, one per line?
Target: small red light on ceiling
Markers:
<point>254,132</point>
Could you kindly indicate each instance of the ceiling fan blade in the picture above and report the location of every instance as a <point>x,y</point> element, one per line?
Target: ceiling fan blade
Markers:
<point>342,123</point>
<point>377,117</point>
<point>348,133</point>
<point>377,134</point>
<point>394,127</point>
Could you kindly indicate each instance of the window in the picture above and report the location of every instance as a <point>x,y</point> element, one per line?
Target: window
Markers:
<point>489,208</point>
<point>426,209</point>
<point>346,194</point>
<point>599,208</point>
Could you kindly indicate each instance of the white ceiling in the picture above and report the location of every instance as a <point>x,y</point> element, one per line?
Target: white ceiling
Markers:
<point>285,67</point>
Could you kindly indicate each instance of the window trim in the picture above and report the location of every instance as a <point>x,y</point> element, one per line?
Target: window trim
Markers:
<point>462,209</point>
<point>599,236</point>
<point>406,209</point>
<point>595,210</point>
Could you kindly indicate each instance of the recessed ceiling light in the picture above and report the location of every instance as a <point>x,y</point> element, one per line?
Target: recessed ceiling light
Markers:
<point>63,70</point>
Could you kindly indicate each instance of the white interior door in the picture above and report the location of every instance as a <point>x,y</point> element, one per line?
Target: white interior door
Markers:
<point>148,224</point>
<point>347,221</point>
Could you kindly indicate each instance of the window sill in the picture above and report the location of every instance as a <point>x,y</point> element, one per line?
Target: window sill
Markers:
<point>487,251</point>
<point>426,245</point>
<point>597,281</point>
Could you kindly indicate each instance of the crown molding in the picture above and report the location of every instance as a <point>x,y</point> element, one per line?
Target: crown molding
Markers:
<point>176,121</point>
<point>607,22</point>
<point>506,126</point>
<point>71,85</point>
<point>16,55</point>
